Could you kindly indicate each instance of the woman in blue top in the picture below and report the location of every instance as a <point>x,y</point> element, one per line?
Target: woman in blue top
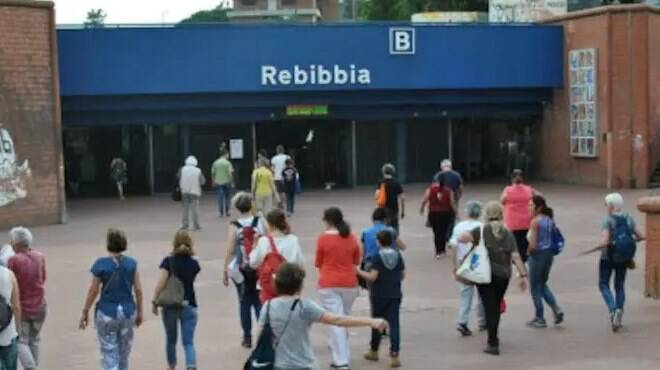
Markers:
<point>117,310</point>
<point>182,264</point>
<point>540,262</point>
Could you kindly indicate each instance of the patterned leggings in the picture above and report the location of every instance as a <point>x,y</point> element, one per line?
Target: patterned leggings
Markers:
<point>116,339</point>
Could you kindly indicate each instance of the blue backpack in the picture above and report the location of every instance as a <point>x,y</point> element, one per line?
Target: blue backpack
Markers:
<point>557,240</point>
<point>622,243</point>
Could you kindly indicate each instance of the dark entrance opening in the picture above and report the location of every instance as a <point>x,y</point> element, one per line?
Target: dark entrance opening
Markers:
<point>320,148</point>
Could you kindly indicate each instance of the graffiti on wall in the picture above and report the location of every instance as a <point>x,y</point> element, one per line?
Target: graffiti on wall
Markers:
<point>13,175</point>
<point>524,11</point>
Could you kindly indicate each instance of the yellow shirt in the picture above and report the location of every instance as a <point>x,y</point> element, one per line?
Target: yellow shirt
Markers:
<point>262,179</point>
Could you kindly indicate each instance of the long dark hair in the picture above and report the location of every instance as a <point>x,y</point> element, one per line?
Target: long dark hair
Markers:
<point>335,218</point>
<point>541,206</point>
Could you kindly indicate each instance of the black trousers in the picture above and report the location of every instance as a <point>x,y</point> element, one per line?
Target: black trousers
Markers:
<point>441,223</point>
<point>388,309</point>
<point>491,296</point>
<point>523,243</point>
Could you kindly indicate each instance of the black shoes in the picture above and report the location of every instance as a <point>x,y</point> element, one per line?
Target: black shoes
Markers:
<point>492,350</point>
<point>247,342</point>
<point>464,330</point>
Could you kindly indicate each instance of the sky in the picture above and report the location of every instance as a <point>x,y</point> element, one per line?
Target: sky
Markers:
<point>131,11</point>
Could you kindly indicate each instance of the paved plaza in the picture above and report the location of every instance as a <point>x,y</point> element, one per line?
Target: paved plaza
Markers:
<point>429,338</point>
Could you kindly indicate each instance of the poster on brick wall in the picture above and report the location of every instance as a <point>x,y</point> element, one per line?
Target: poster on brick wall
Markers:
<point>583,102</point>
<point>14,172</point>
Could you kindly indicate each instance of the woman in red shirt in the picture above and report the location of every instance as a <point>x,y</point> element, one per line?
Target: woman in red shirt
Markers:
<point>337,256</point>
<point>442,211</point>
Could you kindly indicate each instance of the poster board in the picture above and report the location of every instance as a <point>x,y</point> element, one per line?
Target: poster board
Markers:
<point>583,102</point>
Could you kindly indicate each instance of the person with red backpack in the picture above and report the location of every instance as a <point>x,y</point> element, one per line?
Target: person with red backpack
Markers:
<point>242,238</point>
<point>279,245</point>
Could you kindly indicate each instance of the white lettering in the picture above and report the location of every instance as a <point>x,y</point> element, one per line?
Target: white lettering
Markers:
<point>364,76</point>
<point>341,76</point>
<point>325,77</point>
<point>268,75</point>
<point>299,76</point>
<point>285,77</point>
<point>402,41</point>
<point>314,74</point>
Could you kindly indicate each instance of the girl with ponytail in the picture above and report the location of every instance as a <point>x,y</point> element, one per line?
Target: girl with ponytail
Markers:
<point>337,257</point>
<point>540,262</point>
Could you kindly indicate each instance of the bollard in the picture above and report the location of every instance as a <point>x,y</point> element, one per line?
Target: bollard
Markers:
<point>650,205</point>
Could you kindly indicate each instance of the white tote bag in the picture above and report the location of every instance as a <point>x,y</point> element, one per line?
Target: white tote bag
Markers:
<point>476,264</point>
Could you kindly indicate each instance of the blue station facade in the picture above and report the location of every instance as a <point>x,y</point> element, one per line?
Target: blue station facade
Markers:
<point>343,99</point>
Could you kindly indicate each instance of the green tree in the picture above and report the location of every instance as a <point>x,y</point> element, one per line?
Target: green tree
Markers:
<point>385,10</point>
<point>215,15</point>
<point>95,18</point>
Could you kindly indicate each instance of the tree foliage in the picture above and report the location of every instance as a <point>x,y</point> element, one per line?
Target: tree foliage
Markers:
<point>95,18</point>
<point>384,10</point>
<point>215,15</point>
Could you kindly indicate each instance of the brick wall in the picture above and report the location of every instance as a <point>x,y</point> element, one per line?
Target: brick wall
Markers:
<point>654,90</point>
<point>627,63</point>
<point>31,188</point>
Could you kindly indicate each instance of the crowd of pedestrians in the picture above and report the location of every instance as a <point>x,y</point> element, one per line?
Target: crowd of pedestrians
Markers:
<point>265,264</point>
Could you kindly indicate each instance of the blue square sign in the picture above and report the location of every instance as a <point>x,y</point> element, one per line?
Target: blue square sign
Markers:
<point>402,41</point>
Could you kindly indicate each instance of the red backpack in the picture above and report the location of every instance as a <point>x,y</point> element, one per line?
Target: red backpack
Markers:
<point>245,240</point>
<point>267,271</point>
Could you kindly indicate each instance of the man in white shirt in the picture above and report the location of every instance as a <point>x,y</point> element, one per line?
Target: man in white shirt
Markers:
<point>278,163</point>
<point>191,181</point>
<point>460,250</point>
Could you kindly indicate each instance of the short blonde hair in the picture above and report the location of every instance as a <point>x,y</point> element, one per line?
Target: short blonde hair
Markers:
<point>182,245</point>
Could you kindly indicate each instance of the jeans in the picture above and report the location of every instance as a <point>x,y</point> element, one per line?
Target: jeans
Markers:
<point>491,297</point>
<point>540,264</point>
<point>116,340</point>
<point>190,203</point>
<point>28,343</point>
<point>339,301</point>
<point>224,199</point>
<point>290,202</point>
<point>467,293</point>
<point>248,300</point>
<point>522,243</point>
<point>440,223</point>
<point>9,357</point>
<point>605,274</point>
<point>388,309</point>
<point>187,316</point>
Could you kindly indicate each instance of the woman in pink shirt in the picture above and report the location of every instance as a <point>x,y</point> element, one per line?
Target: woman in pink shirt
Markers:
<point>517,217</point>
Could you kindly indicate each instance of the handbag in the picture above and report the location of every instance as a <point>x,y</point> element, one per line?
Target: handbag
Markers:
<point>263,356</point>
<point>475,266</point>
<point>173,295</point>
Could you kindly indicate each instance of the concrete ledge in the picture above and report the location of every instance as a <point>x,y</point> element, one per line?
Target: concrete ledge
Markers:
<point>610,9</point>
<point>650,204</point>
<point>28,4</point>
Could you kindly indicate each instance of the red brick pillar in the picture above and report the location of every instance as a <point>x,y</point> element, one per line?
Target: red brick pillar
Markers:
<point>651,206</point>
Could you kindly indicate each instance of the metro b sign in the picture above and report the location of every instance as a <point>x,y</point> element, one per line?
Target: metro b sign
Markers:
<point>402,41</point>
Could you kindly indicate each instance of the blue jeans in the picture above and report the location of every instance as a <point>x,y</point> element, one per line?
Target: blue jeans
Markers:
<point>540,264</point>
<point>9,356</point>
<point>388,309</point>
<point>248,300</point>
<point>224,199</point>
<point>188,318</point>
<point>290,202</point>
<point>604,276</point>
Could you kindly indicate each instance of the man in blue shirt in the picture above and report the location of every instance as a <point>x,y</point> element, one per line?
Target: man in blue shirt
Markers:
<point>369,242</point>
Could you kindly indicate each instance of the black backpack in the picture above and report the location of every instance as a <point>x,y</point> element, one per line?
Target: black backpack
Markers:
<point>6,313</point>
<point>263,356</point>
